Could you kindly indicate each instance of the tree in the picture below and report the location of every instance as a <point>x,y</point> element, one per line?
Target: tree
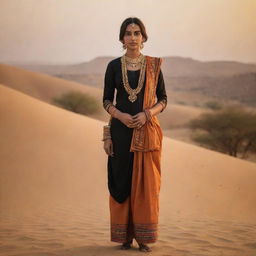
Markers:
<point>215,105</point>
<point>231,130</point>
<point>77,102</point>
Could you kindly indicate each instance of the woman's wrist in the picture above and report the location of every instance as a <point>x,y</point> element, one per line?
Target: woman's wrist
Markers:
<point>114,112</point>
<point>148,114</point>
<point>156,109</point>
<point>118,114</point>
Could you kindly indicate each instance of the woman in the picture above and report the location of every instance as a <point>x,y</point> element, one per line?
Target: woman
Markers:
<point>133,139</point>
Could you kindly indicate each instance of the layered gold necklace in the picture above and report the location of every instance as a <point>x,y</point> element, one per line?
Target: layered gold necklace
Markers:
<point>134,63</point>
<point>140,60</point>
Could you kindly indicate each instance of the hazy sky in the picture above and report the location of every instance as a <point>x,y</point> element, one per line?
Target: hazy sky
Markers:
<point>69,31</point>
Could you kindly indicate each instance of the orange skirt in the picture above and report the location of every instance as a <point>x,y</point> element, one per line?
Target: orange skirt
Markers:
<point>137,217</point>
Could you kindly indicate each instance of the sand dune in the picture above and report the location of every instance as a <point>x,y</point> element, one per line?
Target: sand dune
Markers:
<point>45,87</point>
<point>39,85</point>
<point>54,198</point>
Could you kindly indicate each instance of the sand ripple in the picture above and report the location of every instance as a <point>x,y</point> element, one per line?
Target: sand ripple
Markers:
<point>71,231</point>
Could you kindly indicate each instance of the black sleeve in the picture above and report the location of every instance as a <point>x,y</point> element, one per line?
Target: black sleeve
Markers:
<point>160,91</point>
<point>109,87</point>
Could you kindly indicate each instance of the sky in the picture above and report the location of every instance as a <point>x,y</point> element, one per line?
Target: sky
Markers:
<point>74,31</point>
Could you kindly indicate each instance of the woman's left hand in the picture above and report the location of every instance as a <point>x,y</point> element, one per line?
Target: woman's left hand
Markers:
<point>139,120</point>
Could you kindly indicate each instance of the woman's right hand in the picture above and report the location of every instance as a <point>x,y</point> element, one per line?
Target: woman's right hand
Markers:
<point>108,147</point>
<point>126,119</point>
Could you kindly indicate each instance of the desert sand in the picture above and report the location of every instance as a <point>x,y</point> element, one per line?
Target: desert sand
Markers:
<point>45,88</point>
<point>54,197</point>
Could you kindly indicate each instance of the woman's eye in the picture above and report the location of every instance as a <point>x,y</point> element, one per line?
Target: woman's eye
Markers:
<point>137,33</point>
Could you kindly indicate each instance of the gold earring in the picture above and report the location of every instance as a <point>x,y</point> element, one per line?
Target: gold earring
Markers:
<point>124,46</point>
<point>141,46</point>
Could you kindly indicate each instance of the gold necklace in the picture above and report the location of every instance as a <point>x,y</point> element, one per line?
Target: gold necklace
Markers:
<point>134,63</point>
<point>133,92</point>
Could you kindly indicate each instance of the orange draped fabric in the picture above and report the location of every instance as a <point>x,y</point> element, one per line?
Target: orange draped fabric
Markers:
<point>137,217</point>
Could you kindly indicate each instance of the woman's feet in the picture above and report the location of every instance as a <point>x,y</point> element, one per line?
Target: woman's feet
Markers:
<point>144,248</point>
<point>126,246</point>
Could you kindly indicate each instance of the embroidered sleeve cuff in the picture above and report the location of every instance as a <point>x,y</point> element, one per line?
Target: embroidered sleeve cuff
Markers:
<point>163,102</point>
<point>107,104</point>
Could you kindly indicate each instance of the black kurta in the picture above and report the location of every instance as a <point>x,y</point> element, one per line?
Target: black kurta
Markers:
<point>121,164</point>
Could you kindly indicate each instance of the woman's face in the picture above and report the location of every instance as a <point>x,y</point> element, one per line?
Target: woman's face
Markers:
<point>133,37</point>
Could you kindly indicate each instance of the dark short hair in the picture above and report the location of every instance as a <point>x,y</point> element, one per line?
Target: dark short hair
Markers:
<point>129,21</point>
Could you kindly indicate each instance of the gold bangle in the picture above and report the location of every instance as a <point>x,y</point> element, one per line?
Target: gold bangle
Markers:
<point>106,138</point>
<point>106,132</point>
<point>113,113</point>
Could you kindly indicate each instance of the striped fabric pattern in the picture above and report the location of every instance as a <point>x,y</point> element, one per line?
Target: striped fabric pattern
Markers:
<point>143,233</point>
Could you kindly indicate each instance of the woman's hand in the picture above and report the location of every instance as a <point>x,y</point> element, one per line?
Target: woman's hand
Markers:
<point>126,119</point>
<point>108,147</point>
<point>139,119</point>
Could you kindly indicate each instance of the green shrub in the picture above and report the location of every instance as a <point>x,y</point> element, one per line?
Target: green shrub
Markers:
<point>215,105</point>
<point>180,102</point>
<point>77,102</point>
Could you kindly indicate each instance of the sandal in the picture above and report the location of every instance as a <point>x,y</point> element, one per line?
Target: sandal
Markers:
<point>126,246</point>
<point>144,248</point>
